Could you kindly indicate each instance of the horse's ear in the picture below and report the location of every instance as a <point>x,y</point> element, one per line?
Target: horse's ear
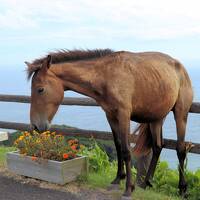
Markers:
<point>46,64</point>
<point>28,64</point>
<point>49,58</point>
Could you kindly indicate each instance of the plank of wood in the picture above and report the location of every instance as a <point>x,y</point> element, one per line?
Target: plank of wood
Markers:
<point>195,108</point>
<point>104,135</point>
<point>66,101</point>
<point>48,170</point>
<point>65,131</point>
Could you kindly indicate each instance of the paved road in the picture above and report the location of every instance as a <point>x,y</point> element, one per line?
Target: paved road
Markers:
<point>12,190</point>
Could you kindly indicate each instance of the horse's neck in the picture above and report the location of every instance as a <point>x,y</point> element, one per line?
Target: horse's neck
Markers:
<point>77,77</point>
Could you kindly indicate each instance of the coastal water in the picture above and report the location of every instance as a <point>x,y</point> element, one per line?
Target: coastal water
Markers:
<point>13,81</point>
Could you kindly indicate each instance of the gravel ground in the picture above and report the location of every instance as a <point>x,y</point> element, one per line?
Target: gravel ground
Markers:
<point>14,187</point>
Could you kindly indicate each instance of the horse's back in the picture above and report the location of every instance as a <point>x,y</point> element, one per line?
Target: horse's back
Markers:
<point>158,80</point>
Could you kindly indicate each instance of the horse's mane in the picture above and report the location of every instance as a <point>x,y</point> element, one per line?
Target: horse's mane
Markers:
<point>68,56</point>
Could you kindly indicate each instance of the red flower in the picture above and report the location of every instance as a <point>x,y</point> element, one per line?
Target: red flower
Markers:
<point>65,155</point>
<point>73,147</point>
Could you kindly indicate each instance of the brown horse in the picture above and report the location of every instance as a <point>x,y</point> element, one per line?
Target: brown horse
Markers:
<point>143,87</point>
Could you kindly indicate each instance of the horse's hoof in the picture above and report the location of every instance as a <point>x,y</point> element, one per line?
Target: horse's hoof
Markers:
<point>183,191</point>
<point>149,184</point>
<point>143,185</point>
<point>118,179</point>
<point>183,194</point>
<point>126,197</point>
<point>113,187</point>
<point>132,187</point>
<point>123,176</point>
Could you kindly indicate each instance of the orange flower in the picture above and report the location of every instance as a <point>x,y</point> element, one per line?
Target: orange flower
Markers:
<point>71,142</point>
<point>33,158</point>
<point>59,136</point>
<point>65,155</point>
<point>73,147</point>
<point>53,133</point>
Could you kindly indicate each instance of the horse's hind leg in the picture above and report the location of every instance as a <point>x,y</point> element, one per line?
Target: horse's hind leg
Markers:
<point>156,132</point>
<point>181,120</point>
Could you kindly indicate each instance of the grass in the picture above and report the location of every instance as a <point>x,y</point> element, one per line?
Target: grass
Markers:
<point>102,180</point>
<point>3,151</point>
<point>103,171</point>
<point>141,194</point>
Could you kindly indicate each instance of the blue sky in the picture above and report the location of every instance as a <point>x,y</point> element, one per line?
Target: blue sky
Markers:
<point>29,29</point>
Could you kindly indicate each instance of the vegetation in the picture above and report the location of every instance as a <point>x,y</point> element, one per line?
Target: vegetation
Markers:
<point>3,151</point>
<point>165,182</point>
<point>47,145</point>
<point>102,172</point>
<point>108,145</point>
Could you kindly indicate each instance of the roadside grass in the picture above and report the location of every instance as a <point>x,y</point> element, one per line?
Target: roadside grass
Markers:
<point>149,194</point>
<point>102,180</point>
<point>103,170</point>
<point>3,151</point>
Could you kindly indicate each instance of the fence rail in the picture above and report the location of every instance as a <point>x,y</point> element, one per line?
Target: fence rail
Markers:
<point>195,108</point>
<point>103,135</point>
<point>168,143</point>
<point>66,101</point>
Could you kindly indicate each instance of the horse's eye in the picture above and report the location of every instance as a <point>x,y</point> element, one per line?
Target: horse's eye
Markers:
<point>40,90</point>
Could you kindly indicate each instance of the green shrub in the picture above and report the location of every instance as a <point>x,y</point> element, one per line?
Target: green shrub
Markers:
<point>102,171</point>
<point>165,180</point>
<point>98,159</point>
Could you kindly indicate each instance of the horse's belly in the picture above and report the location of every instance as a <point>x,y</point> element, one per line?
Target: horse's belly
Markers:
<point>145,118</point>
<point>154,105</point>
<point>152,112</point>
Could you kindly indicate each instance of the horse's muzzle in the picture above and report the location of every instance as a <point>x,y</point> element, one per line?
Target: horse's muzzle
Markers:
<point>41,127</point>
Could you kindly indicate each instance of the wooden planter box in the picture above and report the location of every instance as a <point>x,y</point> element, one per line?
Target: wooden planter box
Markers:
<point>48,170</point>
<point>3,136</point>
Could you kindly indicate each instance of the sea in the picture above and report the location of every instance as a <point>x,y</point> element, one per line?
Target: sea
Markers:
<point>13,81</point>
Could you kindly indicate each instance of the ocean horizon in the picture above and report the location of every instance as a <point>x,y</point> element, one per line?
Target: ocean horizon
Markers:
<point>13,81</point>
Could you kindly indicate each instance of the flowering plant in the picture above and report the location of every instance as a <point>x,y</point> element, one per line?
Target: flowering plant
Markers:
<point>47,145</point>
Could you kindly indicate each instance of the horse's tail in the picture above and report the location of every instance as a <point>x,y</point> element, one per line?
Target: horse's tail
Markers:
<point>143,141</point>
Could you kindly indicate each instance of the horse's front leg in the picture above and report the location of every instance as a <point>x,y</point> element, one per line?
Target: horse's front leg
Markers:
<point>124,131</point>
<point>120,170</point>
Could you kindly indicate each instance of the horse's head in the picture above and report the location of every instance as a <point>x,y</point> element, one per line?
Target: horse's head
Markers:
<point>46,95</point>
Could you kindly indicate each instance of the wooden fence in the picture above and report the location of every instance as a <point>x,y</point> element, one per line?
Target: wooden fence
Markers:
<point>168,143</point>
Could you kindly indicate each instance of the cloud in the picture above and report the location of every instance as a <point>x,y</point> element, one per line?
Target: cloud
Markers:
<point>142,19</point>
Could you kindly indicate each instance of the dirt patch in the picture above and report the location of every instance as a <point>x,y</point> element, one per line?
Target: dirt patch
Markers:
<point>81,191</point>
